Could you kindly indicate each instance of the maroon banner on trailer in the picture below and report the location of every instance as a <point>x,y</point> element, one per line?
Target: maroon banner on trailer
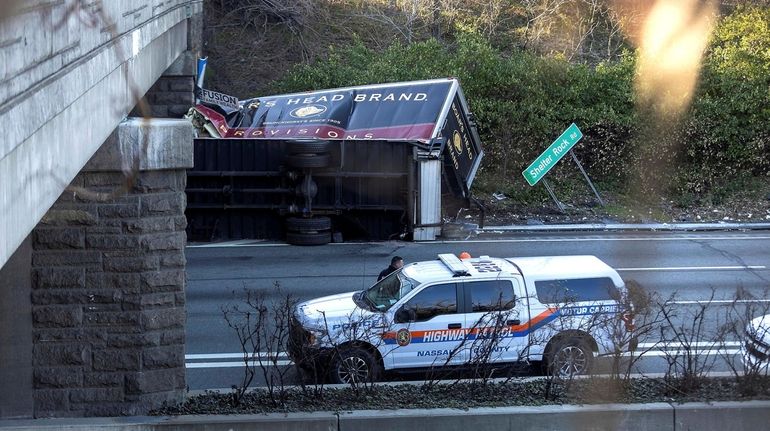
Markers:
<point>399,112</point>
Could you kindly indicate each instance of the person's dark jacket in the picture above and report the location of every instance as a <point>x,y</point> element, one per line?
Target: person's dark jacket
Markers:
<point>386,272</point>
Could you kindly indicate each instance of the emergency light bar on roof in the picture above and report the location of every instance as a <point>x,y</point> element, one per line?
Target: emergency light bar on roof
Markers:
<point>453,264</point>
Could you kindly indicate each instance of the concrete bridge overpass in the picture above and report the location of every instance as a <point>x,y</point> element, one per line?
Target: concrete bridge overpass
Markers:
<point>92,290</point>
<point>65,86</point>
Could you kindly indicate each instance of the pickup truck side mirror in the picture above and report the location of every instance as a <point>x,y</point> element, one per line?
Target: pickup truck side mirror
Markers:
<point>404,315</point>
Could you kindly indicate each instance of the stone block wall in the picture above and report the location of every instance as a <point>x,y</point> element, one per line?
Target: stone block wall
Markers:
<point>108,297</point>
<point>16,334</point>
<point>172,94</point>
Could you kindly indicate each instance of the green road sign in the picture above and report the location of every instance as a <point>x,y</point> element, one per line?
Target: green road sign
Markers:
<point>537,170</point>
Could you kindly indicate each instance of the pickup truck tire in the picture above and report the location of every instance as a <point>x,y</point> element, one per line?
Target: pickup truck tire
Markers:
<point>306,238</point>
<point>308,160</point>
<point>309,147</point>
<point>569,357</point>
<point>313,224</point>
<point>354,365</point>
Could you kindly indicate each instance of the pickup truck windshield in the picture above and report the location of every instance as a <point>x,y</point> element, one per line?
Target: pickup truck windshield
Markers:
<point>389,290</point>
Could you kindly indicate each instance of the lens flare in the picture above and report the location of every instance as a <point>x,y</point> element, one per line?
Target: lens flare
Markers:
<point>672,41</point>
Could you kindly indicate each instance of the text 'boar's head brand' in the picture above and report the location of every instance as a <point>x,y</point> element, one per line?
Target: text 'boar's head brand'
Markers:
<point>357,97</point>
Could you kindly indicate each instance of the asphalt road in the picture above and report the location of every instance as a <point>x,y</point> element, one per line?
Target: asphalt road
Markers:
<point>690,268</point>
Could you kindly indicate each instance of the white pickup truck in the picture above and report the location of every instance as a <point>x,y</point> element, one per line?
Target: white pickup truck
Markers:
<point>563,310</point>
<point>756,348</point>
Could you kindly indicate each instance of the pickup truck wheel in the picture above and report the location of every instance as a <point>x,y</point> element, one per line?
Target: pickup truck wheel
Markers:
<point>354,365</point>
<point>569,358</point>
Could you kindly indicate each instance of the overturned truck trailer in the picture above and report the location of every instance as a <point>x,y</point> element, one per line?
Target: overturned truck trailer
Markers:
<point>368,162</point>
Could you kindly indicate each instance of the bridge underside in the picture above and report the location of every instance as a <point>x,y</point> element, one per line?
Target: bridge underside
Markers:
<point>64,89</point>
<point>91,265</point>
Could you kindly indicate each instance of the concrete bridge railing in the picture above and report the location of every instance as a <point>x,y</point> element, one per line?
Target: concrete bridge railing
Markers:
<point>69,73</point>
<point>92,302</point>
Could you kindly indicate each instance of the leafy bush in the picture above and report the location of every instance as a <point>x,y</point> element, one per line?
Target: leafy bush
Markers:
<point>520,101</point>
<point>727,130</point>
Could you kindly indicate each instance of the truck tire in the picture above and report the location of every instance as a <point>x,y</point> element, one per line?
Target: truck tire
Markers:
<point>308,160</point>
<point>317,238</point>
<point>309,147</point>
<point>314,224</point>
<point>354,365</point>
<point>569,357</point>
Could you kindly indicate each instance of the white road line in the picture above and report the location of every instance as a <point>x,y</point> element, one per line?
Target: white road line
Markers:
<point>671,353</point>
<point>737,238</point>
<point>242,243</point>
<point>284,357</point>
<point>234,364</point>
<point>650,353</point>
<point>251,243</point>
<point>720,301</point>
<point>696,268</point>
<point>247,243</point>
<point>662,350</point>
<point>263,355</point>
<point>694,344</point>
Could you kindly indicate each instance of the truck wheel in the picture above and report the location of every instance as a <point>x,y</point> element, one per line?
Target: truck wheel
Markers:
<point>354,365</point>
<point>314,224</point>
<point>308,160</point>
<point>316,238</point>
<point>309,147</point>
<point>569,358</point>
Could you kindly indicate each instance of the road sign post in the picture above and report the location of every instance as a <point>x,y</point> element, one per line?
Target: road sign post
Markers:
<point>537,170</point>
<point>553,195</point>
<point>585,174</point>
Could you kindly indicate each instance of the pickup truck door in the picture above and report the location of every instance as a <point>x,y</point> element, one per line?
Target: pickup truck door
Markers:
<point>496,317</point>
<point>435,335</point>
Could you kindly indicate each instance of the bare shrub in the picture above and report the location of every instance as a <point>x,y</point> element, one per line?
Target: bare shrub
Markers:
<point>262,328</point>
<point>479,341</point>
<point>347,350</point>
<point>588,30</point>
<point>483,346</point>
<point>689,345</point>
<point>749,372</point>
<point>489,344</point>
<point>640,320</point>
<point>292,13</point>
<point>571,342</point>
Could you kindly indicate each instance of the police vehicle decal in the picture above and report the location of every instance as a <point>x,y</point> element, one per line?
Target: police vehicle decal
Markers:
<point>441,335</point>
<point>443,352</point>
<point>521,330</point>
<point>403,337</point>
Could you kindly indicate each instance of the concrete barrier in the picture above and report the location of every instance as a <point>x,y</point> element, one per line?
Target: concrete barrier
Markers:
<point>747,415</point>
<point>726,415</point>
<point>649,417</point>
<point>320,421</point>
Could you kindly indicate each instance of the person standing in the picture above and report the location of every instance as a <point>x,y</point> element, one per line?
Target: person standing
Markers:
<point>395,264</point>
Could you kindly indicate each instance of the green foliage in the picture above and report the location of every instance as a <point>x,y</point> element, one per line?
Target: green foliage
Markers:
<point>727,131</point>
<point>522,101</point>
<point>741,44</point>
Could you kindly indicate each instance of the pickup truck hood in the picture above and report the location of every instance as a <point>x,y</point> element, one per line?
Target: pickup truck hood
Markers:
<point>332,312</point>
<point>760,327</point>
